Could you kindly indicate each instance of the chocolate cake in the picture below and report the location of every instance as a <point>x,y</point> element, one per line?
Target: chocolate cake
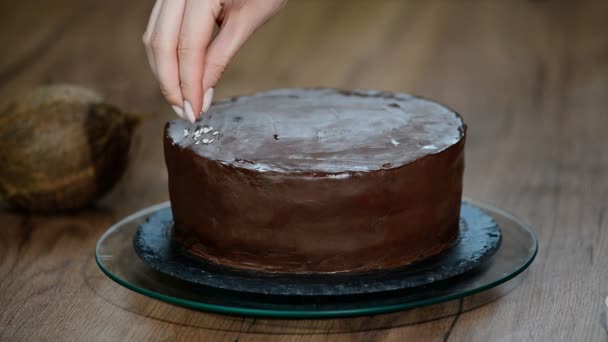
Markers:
<point>317,180</point>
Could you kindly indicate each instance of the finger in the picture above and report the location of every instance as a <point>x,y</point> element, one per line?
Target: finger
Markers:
<point>220,52</point>
<point>147,37</point>
<point>164,49</point>
<point>238,26</point>
<point>194,37</point>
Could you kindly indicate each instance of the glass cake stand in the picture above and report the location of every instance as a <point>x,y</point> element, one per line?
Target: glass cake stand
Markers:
<point>116,257</point>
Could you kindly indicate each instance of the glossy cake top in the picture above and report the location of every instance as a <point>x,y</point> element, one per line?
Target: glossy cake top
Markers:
<point>320,130</point>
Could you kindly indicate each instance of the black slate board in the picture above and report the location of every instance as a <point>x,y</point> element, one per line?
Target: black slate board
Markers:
<point>479,239</point>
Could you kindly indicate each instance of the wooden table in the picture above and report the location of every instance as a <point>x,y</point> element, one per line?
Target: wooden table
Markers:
<point>530,77</point>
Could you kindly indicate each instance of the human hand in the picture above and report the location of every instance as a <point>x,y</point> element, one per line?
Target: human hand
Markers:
<point>184,57</point>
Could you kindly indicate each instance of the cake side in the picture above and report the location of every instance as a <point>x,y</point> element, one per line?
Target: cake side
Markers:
<point>321,223</point>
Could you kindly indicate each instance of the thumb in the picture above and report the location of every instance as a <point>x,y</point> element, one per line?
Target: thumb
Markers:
<point>222,49</point>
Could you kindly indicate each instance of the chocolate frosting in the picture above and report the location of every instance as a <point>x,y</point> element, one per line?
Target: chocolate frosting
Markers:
<point>318,181</point>
<point>324,130</point>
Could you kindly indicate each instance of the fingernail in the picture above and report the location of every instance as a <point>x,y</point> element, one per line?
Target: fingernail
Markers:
<point>178,111</point>
<point>188,111</point>
<point>207,99</point>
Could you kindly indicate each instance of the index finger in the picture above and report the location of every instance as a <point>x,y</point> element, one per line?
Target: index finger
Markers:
<point>194,37</point>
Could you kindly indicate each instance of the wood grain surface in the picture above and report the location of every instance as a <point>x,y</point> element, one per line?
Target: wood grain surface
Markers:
<point>530,78</point>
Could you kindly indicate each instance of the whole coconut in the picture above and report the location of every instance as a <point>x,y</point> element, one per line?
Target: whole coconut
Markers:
<point>61,147</point>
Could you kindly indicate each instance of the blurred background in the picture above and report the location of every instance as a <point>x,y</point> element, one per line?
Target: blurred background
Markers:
<point>518,71</point>
<point>514,69</point>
